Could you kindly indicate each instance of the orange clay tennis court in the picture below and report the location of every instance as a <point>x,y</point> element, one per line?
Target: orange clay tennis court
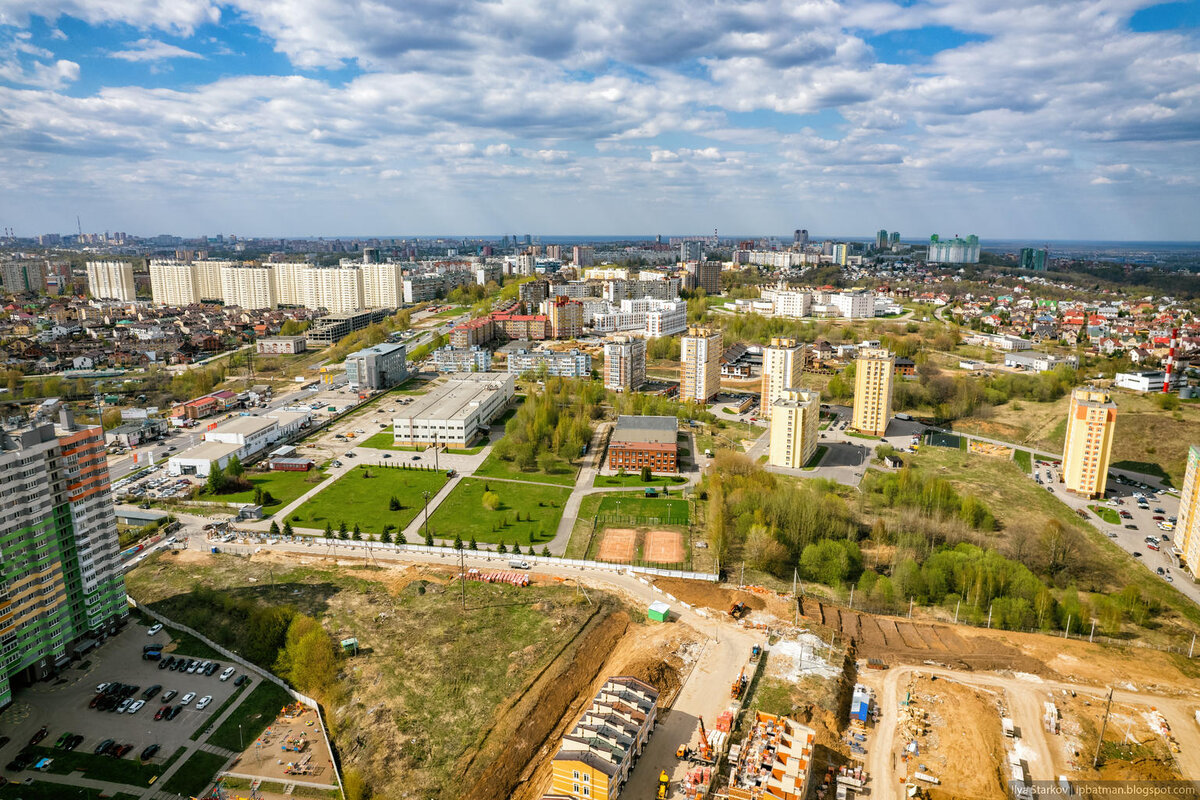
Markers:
<point>619,545</point>
<point>663,547</point>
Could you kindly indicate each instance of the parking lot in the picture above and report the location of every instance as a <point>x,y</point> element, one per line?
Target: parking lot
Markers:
<point>62,706</point>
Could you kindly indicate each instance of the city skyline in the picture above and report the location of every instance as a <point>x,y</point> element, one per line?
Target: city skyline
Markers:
<point>301,116</point>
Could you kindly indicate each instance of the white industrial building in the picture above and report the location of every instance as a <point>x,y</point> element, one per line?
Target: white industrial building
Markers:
<point>1147,381</point>
<point>198,460</point>
<point>457,411</point>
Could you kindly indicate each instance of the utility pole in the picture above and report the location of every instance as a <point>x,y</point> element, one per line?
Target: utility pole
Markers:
<point>1068,628</point>
<point>1193,646</point>
<point>956,605</point>
<point>851,597</point>
<point>435,451</point>
<point>1103,725</point>
<point>989,616</point>
<point>426,496</point>
<point>742,577</point>
<point>1090,635</point>
<point>462,571</point>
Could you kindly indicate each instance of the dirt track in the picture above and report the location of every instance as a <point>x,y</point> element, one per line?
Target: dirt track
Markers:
<point>906,641</point>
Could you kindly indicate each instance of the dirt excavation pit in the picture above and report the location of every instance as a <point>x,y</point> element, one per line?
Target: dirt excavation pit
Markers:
<point>1133,748</point>
<point>707,595</point>
<point>958,739</point>
<point>618,545</point>
<point>664,547</point>
<point>908,641</point>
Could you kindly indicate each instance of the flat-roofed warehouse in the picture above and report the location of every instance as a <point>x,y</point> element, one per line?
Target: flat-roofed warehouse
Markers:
<point>638,442</point>
<point>455,412</point>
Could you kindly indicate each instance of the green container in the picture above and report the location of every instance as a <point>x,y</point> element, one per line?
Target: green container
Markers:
<point>659,612</point>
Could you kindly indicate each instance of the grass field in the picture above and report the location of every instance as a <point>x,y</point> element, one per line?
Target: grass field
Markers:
<point>254,714</point>
<point>1024,460</point>
<point>495,467</point>
<point>283,486</point>
<point>463,513</point>
<point>431,677</point>
<point>129,770</point>
<point>1148,439</point>
<point>355,499</point>
<point>1106,514</point>
<point>589,507</point>
<point>635,479</point>
<point>1020,504</point>
<point>196,773</point>
<point>383,441</point>
<point>643,511</point>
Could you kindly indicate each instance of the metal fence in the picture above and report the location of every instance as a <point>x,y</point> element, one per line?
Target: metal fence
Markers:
<point>502,558</point>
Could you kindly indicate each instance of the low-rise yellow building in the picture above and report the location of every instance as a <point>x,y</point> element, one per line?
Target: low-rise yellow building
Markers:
<point>595,758</point>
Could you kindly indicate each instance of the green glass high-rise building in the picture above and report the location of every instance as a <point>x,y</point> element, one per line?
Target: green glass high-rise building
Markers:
<point>1032,258</point>
<point>61,584</point>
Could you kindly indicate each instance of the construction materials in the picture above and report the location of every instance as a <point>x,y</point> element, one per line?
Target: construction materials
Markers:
<point>515,578</point>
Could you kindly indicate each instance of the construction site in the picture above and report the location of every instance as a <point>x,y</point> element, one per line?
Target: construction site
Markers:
<point>758,696</point>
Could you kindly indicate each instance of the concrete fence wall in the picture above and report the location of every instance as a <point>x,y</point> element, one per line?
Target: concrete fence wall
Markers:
<point>254,668</point>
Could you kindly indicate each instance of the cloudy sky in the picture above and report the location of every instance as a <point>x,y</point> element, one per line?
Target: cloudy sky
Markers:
<point>1055,119</point>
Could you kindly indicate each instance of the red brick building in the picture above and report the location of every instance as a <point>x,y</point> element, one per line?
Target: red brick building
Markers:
<point>639,442</point>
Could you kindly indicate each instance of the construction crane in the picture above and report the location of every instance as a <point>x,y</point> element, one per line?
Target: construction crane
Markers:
<point>705,753</point>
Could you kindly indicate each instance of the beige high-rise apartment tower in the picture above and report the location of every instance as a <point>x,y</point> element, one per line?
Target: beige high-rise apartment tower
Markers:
<point>111,280</point>
<point>783,363</point>
<point>795,422</point>
<point>1091,419</point>
<point>873,371</point>
<point>625,364</point>
<point>1187,524</point>
<point>700,368</point>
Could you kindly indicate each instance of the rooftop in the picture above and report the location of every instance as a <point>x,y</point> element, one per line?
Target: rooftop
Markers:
<point>376,350</point>
<point>245,425</point>
<point>207,451</point>
<point>455,398</point>
<point>655,430</point>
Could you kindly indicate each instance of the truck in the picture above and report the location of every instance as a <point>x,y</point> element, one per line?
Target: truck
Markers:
<point>517,563</point>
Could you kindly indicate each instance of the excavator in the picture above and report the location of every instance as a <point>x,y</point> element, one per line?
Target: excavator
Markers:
<point>739,685</point>
<point>664,785</point>
<point>738,610</point>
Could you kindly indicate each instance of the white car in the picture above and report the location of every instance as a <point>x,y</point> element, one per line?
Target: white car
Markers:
<point>154,629</point>
<point>101,687</point>
<point>204,701</point>
<point>227,674</point>
<point>135,707</point>
<point>187,698</point>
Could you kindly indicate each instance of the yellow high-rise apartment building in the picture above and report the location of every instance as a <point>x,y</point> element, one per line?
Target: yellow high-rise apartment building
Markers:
<point>1187,523</point>
<point>1091,419</point>
<point>795,419</point>
<point>700,368</point>
<point>873,371</point>
<point>783,363</point>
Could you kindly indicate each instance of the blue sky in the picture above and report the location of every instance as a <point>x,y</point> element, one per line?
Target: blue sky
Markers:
<point>1028,118</point>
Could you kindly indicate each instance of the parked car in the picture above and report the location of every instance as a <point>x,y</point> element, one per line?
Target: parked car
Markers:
<point>153,690</point>
<point>174,712</point>
<point>227,674</point>
<point>101,687</point>
<point>149,752</point>
<point>155,628</point>
<point>121,751</point>
<point>169,695</point>
<point>37,737</point>
<point>162,712</point>
<point>73,742</point>
<point>104,747</point>
<point>62,740</point>
<point>203,702</point>
<point>241,679</point>
<point>187,698</point>
<point>135,706</point>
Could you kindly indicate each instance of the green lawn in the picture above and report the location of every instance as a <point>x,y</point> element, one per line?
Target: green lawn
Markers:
<point>237,694</point>
<point>643,511</point>
<point>129,770</point>
<point>635,479</point>
<point>40,790</point>
<point>463,513</point>
<point>1023,460</point>
<point>495,467</point>
<point>383,441</point>
<point>849,432</point>
<point>254,714</point>
<point>816,457</point>
<point>1106,514</point>
<point>466,451</point>
<point>355,499</point>
<point>283,486</point>
<point>196,773</point>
